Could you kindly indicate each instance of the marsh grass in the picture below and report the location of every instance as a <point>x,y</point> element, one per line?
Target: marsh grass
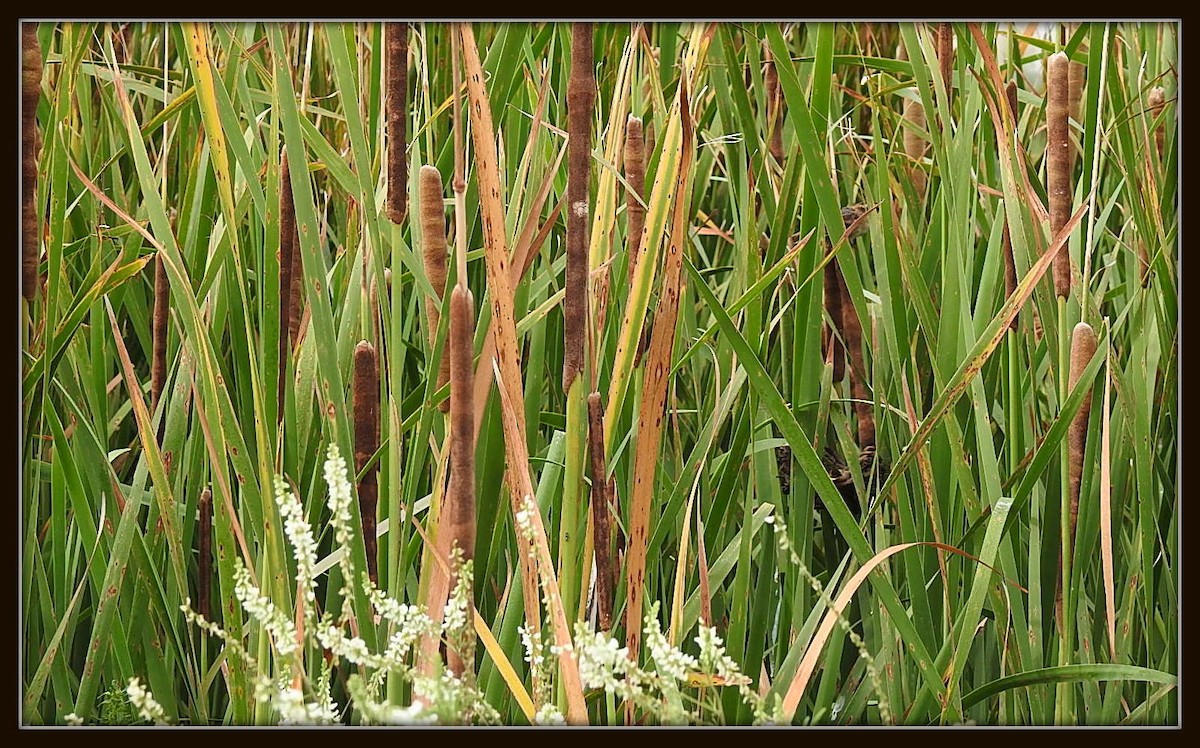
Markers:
<point>646,499</point>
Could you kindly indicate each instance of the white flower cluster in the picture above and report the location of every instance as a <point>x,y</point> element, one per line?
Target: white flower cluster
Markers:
<point>604,663</point>
<point>291,706</point>
<point>73,719</point>
<point>524,518</point>
<point>304,545</point>
<point>148,709</point>
<point>548,715</point>
<point>454,616</point>
<point>340,497</point>
<point>259,606</point>
<point>668,661</point>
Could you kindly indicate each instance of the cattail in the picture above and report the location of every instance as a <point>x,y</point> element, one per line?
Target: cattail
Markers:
<point>833,307</point>
<point>852,339</point>
<point>1058,153</point>
<point>456,524</point>
<point>581,97</point>
<point>433,234</point>
<point>288,253</point>
<point>635,175</point>
<point>1158,101</point>
<point>396,115</point>
<point>774,110</point>
<point>1083,347</point>
<point>158,366</point>
<point>366,442</point>
<point>945,54</point>
<point>31,91</point>
<point>1010,265</point>
<point>915,145</point>
<point>1076,79</point>
<point>204,530</point>
<point>606,571</point>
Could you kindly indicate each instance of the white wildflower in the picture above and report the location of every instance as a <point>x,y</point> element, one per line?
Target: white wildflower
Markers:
<point>73,719</point>
<point>548,715</point>
<point>148,709</point>
<point>260,607</point>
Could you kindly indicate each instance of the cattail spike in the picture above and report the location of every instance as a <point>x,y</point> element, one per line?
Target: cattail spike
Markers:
<point>204,531</point>
<point>456,523</point>
<point>1083,347</point>
<point>945,54</point>
<point>287,253</point>
<point>1058,167</point>
<point>774,109</point>
<point>433,234</point>
<point>915,145</point>
<point>366,443</point>
<point>581,98</point>
<point>635,175</point>
<point>602,515</point>
<point>396,116</point>
<point>1158,101</point>
<point>1010,265</point>
<point>31,91</point>
<point>162,310</point>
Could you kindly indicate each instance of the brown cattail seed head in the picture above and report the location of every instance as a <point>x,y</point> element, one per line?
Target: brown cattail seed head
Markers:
<point>1083,347</point>
<point>1076,80</point>
<point>581,97</point>
<point>162,308</point>
<point>945,53</point>
<point>635,175</point>
<point>396,117</point>
<point>1058,167</point>
<point>915,145</point>
<point>31,91</point>
<point>366,443</point>
<point>1158,101</point>
<point>433,236</point>
<point>459,513</point>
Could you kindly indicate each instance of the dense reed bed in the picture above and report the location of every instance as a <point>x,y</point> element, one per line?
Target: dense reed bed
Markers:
<point>807,373</point>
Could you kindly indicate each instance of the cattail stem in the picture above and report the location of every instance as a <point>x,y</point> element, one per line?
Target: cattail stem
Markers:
<point>635,175</point>
<point>456,525</point>
<point>581,98</point>
<point>396,117</point>
<point>602,514</point>
<point>158,366</point>
<point>1058,166</point>
<point>433,235</point>
<point>31,91</point>
<point>204,531</point>
<point>366,443</point>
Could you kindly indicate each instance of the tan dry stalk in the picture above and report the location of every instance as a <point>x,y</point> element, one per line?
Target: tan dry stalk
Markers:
<point>433,236</point>
<point>581,98</point>
<point>366,443</point>
<point>536,562</point>
<point>774,110</point>
<point>204,562</point>
<point>396,117</point>
<point>1058,166</point>
<point>1158,101</point>
<point>1083,347</point>
<point>915,145</point>
<point>602,515</point>
<point>1010,265</point>
<point>635,175</point>
<point>945,54</point>
<point>652,412</point>
<point>162,311</point>
<point>31,91</point>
